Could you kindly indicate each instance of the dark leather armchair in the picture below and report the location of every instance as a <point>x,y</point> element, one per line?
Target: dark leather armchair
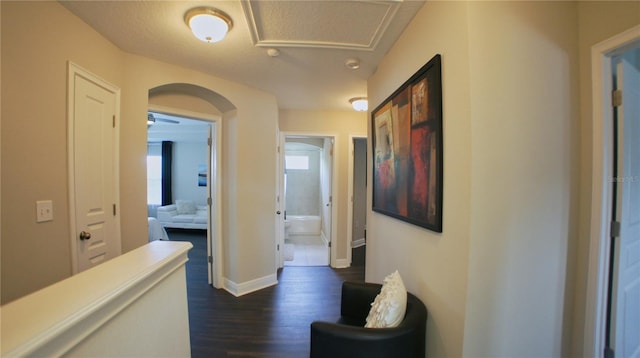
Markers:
<point>348,338</point>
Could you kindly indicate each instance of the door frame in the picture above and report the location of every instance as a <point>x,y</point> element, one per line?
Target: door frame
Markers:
<point>334,193</point>
<point>214,217</point>
<point>350,177</point>
<point>75,70</point>
<point>601,190</point>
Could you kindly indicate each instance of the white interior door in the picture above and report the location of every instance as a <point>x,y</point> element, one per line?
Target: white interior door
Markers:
<point>214,232</point>
<point>326,185</point>
<point>281,208</point>
<point>94,169</point>
<point>625,300</point>
<point>210,212</point>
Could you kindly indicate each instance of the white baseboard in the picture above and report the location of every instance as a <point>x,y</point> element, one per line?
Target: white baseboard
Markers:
<point>324,239</point>
<point>358,243</point>
<point>342,263</point>
<point>240,289</point>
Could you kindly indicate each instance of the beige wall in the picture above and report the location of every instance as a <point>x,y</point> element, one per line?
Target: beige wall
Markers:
<point>253,125</point>
<point>524,105</point>
<point>37,41</point>
<point>342,124</point>
<point>34,69</point>
<point>507,275</point>
<point>432,265</point>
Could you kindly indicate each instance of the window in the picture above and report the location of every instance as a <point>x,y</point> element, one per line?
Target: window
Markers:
<point>300,162</point>
<point>154,179</point>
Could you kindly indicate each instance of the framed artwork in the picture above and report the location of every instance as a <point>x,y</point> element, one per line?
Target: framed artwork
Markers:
<point>202,175</point>
<point>407,150</point>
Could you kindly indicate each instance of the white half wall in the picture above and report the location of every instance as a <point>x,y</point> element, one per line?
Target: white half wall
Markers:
<point>134,305</point>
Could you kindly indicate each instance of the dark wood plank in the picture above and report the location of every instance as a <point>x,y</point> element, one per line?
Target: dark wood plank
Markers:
<point>272,322</point>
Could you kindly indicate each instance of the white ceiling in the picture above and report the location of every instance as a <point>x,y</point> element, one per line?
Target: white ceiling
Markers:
<point>177,129</point>
<point>314,37</point>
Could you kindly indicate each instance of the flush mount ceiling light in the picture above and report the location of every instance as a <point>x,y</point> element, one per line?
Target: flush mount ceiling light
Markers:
<point>208,24</point>
<point>352,63</point>
<point>360,104</point>
<point>273,52</point>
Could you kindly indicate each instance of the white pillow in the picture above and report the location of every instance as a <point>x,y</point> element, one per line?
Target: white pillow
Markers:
<point>390,305</point>
<point>185,207</point>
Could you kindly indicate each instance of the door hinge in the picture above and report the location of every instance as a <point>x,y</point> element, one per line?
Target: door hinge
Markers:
<point>278,247</point>
<point>114,209</point>
<point>210,141</point>
<point>209,201</point>
<point>616,98</point>
<point>615,229</point>
<point>329,243</point>
<point>114,121</point>
<point>210,259</point>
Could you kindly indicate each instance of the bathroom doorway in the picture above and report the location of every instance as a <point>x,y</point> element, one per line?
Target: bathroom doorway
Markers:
<point>307,184</point>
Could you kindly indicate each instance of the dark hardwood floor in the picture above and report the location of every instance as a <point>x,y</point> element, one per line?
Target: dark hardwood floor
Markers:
<point>272,322</point>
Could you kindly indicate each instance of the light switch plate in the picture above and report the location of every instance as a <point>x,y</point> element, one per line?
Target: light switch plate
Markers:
<point>44,210</point>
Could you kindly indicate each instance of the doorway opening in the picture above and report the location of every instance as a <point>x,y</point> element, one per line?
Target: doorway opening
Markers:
<point>182,180</point>
<point>307,184</point>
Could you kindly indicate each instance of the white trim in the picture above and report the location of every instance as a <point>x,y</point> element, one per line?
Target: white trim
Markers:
<point>601,193</point>
<point>350,176</point>
<point>280,208</point>
<point>243,288</point>
<point>342,263</point>
<point>357,243</point>
<point>215,248</point>
<point>324,238</point>
<point>74,70</point>
<point>334,200</point>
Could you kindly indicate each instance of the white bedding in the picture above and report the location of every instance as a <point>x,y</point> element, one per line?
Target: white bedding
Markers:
<point>156,231</point>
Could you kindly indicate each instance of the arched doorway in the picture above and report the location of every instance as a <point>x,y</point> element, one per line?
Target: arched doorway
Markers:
<point>195,103</point>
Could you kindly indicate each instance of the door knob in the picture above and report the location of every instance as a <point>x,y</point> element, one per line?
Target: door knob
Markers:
<point>85,235</point>
<point>278,212</point>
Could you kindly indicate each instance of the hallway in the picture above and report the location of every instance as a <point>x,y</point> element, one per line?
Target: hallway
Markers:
<point>272,322</point>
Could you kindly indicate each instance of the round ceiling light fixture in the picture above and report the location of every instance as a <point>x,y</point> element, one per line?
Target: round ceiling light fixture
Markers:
<point>360,104</point>
<point>208,24</point>
<point>352,63</point>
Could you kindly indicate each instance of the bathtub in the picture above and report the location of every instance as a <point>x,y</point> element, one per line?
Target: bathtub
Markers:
<point>303,224</point>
